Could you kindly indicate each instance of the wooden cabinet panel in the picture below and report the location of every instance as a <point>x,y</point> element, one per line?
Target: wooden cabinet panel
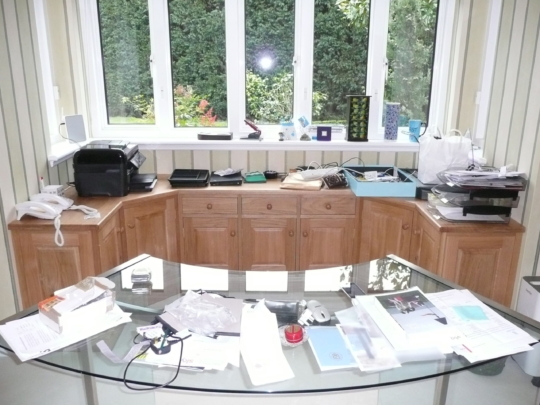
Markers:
<point>326,242</point>
<point>328,205</point>
<point>211,242</point>
<point>43,267</point>
<point>386,229</point>
<point>210,206</point>
<point>111,251</point>
<point>269,206</point>
<point>425,244</point>
<point>268,244</point>
<point>482,263</point>
<point>151,227</point>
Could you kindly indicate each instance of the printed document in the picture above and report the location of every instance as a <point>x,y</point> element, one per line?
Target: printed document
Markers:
<point>29,338</point>
<point>260,346</point>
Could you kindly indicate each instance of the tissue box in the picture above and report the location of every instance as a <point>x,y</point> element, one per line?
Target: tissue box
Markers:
<point>78,305</point>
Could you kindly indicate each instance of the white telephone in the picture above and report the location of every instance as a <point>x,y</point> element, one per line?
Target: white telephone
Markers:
<point>50,206</point>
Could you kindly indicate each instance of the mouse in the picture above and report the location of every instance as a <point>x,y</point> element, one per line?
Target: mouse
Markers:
<point>318,311</point>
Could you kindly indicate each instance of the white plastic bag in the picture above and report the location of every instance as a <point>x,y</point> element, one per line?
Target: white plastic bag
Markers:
<point>438,154</point>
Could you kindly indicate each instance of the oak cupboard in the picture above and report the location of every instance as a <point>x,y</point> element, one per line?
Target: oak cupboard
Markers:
<point>210,231</point>
<point>260,227</point>
<point>269,233</point>
<point>43,267</point>
<point>151,227</point>
<point>386,229</point>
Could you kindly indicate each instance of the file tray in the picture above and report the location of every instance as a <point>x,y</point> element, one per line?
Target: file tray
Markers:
<point>189,178</point>
<point>406,187</point>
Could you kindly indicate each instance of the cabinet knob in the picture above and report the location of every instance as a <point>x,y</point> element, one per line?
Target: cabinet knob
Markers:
<point>120,230</point>
<point>405,227</point>
<point>417,231</point>
<point>304,234</point>
<point>233,233</point>
<point>209,206</point>
<point>269,206</point>
<point>328,206</point>
<point>131,226</point>
<point>291,233</point>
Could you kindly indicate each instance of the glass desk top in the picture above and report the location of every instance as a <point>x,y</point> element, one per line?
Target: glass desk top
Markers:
<point>172,280</point>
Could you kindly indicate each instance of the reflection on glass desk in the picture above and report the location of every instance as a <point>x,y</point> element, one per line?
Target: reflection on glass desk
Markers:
<point>171,280</point>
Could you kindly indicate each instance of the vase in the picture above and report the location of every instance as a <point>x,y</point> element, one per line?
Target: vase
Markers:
<point>391,121</point>
<point>358,118</point>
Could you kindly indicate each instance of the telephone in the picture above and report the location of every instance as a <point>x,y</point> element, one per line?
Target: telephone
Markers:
<point>50,206</point>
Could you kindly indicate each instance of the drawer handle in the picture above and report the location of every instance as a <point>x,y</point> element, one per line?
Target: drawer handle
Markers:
<point>209,206</point>
<point>405,227</point>
<point>120,230</point>
<point>304,234</point>
<point>328,206</point>
<point>131,226</point>
<point>291,233</point>
<point>233,234</point>
<point>417,231</point>
<point>269,206</point>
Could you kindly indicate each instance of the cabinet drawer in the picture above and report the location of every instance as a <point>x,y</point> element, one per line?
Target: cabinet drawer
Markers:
<point>210,205</point>
<point>329,205</point>
<point>269,206</point>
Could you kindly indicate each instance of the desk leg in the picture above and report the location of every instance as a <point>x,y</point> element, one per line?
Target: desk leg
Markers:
<point>88,380</point>
<point>441,384</point>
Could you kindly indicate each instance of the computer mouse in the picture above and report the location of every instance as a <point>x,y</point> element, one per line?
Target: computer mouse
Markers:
<point>318,311</point>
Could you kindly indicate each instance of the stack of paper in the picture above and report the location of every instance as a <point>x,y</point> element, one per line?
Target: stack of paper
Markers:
<point>29,338</point>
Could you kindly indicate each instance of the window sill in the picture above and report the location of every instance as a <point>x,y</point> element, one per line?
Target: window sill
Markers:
<point>63,151</point>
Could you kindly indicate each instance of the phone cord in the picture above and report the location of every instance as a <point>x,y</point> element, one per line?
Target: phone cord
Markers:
<point>58,237</point>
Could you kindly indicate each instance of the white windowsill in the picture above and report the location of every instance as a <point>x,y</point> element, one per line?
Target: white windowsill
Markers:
<point>63,151</point>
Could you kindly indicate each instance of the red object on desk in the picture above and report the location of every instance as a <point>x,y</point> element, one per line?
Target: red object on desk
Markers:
<point>294,333</point>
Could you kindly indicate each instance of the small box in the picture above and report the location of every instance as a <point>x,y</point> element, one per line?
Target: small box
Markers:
<point>324,133</point>
<point>406,187</point>
<point>74,307</point>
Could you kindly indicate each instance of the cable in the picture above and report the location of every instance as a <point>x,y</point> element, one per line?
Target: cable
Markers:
<point>348,160</point>
<point>58,237</point>
<point>67,138</point>
<point>181,340</point>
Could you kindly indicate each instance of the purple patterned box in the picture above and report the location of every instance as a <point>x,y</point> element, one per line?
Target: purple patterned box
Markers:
<point>392,121</point>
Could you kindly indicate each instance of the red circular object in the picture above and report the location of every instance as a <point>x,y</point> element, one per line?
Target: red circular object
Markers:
<point>294,333</point>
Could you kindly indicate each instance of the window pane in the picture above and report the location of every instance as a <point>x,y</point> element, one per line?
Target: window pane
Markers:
<point>125,43</point>
<point>411,46</point>
<point>197,34</point>
<point>339,57</point>
<point>269,57</point>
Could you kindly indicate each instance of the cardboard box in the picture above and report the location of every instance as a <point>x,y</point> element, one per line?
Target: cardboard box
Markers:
<point>77,305</point>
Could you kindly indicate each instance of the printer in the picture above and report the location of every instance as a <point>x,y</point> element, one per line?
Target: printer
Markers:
<point>110,168</point>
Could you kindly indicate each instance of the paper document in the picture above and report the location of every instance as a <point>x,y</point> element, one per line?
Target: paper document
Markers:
<point>260,346</point>
<point>487,335</point>
<point>329,348</point>
<point>29,338</point>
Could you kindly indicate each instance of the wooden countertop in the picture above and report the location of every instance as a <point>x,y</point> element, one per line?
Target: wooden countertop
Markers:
<point>107,206</point>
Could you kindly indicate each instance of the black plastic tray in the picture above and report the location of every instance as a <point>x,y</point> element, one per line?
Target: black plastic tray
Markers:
<point>189,178</point>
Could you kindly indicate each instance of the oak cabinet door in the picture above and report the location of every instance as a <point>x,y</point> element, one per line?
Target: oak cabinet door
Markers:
<point>425,244</point>
<point>326,242</point>
<point>151,228</point>
<point>386,229</point>
<point>268,244</point>
<point>111,250</point>
<point>211,241</point>
<point>483,263</point>
<point>43,267</point>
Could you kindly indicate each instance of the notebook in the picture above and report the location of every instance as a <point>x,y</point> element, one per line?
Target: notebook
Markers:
<point>230,180</point>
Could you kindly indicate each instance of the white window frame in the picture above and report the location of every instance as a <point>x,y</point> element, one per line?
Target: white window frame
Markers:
<point>235,43</point>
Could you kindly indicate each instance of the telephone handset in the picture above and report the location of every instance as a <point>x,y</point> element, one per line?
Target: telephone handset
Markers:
<point>38,209</point>
<point>63,202</point>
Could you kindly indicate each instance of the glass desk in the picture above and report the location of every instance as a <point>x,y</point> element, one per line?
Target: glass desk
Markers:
<point>449,381</point>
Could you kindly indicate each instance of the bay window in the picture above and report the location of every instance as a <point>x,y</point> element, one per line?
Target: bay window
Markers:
<point>172,68</point>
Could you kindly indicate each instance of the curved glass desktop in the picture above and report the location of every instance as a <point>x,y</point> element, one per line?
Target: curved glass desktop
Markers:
<point>171,280</point>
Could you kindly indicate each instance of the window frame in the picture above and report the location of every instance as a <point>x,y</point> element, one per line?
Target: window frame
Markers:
<point>235,56</point>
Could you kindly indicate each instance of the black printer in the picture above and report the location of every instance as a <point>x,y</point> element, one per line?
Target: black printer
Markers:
<point>109,168</point>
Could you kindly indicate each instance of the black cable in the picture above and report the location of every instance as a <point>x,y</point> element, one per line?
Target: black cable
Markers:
<point>181,340</point>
